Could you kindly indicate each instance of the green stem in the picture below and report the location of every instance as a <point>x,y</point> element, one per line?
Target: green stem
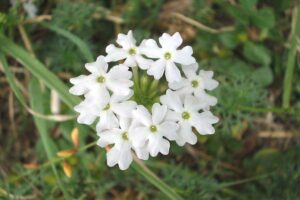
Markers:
<point>152,178</point>
<point>135,74</point>
<point>289,72</point>
<point>153,88</point>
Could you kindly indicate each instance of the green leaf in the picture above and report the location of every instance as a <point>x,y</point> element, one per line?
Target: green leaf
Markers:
<point>11,80</point>
<point>264,18</point>
<point>263,76</point>
<point>257,53</point>
<point>38,70</point>
<point>73,38</point>
<point>249,4</point>
<point>240,14</point>
<point>36,102</point>
<point>229,39</point>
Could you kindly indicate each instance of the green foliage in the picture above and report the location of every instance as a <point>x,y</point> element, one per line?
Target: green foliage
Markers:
<point>254,60</point>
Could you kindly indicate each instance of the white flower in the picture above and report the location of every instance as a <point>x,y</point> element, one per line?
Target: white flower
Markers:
<point>167,56</point>
<point>101,81</point>
<point>153,129</point>
<point>28,6</point>
<point>116,106</point>
<point>121,138</point>
<point>129,51</point>
<point>196,84</point>
<point>91,109</point>
<point>128,128</point>
<point>187,115</point>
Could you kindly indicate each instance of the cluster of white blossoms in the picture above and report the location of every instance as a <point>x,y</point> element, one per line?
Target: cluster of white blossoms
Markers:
<point>126,127</point>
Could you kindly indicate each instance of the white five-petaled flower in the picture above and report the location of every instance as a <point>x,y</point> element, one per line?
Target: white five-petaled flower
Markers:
<point>167,55</point>
<point>101,81</point>
<point>121,138</point>
<point>154,129</point>
<point>196,84</point>
<point>187,114</point>
<point>128,51</point>
<point>107,112</point>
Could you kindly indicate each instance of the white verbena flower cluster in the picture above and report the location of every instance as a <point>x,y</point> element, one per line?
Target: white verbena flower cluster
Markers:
<point>126,127</point>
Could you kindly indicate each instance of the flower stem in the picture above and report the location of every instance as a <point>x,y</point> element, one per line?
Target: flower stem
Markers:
<point>153,88</point>
<point>289,72</point>
<point>135,72</point>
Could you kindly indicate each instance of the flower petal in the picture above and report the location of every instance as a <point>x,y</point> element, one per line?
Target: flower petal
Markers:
<point>112,156</point>
<point>124,109</point>
<point>168,129</point>
<point>115,54</point>
<point>140,136</point>
<point>205,98</point>
<point>98,67</point>
<point>172,100</point>
<point>193,103</point>
<point>142,153</point>
<point>190,71</point>
<point>143,63</point>
<point>158,113</point>
<point>186,135</point>
<point>126,41</point>
<point>178,85</point>
<point>158,145</point>
<point>169,42</point>
<point>208,81</point>
<point>130,61</point>
<point>142,115</point>
<point>119,72</point>
<point>150,49</point>
<point>108,120</point>
<point>79,87</point>
<point>184,56</point>
<point>203,122</point>
<point>157,69</point>
<point>108,137</point>
<point>172,72</point>
<point>120,87</point>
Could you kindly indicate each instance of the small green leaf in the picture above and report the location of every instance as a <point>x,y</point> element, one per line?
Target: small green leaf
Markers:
<point>265,153</point>
<point>257,53</point>
<point>248,3</point>
<point>240,14</point>
<point>229,39</point>
<point>263,76</point>
<point>264,18</point>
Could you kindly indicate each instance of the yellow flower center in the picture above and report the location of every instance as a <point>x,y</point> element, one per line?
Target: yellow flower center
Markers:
<point>132,51</point>
<point>185,115</point>
<point>153,128</point>
<point>195,83</point>
<point>167,55</point>
<point>100,79</point>
<point>107,107</point>
<point>125,136</point>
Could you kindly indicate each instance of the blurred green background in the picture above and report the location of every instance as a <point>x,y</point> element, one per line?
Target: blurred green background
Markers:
<point>252,46</point>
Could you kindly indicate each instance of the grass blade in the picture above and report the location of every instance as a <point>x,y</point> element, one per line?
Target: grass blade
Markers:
<point>36,102</point>
<point>11,80</point>
<point>51,80</point>
<point>152,178</point>
<point>73,38</point>
<point>38,70</point>
<point>289,72</point>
